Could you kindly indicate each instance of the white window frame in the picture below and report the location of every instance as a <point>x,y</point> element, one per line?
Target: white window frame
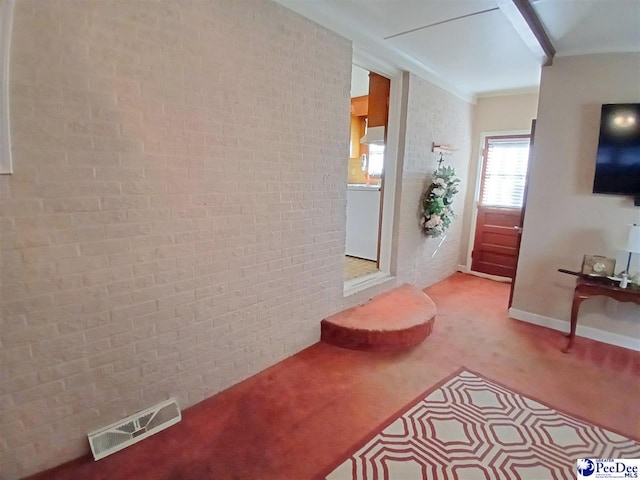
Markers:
<point>6,20</point>
<point>525,142</point>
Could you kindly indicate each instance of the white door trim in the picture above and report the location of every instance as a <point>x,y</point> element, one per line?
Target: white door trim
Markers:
<point>6,20</point>
<point>390,173</point>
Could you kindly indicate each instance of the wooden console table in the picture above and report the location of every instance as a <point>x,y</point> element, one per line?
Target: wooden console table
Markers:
<point>587,287</point>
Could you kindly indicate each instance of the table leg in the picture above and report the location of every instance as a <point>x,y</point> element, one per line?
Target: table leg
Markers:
<point>577,300</point>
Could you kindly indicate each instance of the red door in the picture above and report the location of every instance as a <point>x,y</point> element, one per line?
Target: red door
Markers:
<point>499,216</point>
<point>494,248</point>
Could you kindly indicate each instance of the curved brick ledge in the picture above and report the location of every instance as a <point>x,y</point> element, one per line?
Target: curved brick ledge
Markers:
<point>400,318</point>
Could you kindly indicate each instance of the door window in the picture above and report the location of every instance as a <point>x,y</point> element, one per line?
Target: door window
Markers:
<point>504,171</point>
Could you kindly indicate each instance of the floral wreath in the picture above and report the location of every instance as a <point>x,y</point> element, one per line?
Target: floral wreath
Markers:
<point>436,214</point>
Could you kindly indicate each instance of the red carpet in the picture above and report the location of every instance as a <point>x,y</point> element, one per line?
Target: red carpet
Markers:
<point>468,427</point>
<point>295,418</point>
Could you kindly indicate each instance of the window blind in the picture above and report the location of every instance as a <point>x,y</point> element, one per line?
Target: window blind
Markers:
<point>505,172</point>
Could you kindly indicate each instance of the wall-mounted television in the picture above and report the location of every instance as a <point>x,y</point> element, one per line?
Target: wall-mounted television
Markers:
<point>618,156</point>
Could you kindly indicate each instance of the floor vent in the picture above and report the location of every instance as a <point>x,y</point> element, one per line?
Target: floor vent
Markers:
<point>134,428</point>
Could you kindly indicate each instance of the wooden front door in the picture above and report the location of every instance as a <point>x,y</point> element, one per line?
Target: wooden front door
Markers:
<point>499,215</point>
<point>494,248</point>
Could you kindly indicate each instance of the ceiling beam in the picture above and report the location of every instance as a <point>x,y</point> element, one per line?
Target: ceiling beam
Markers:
<point>526,22</point>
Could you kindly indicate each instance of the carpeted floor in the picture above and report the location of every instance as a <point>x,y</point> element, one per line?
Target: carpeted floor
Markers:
<point>300,416</point>
<point>470,428</point>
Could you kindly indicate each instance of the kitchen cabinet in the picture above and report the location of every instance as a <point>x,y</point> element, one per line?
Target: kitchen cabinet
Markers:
<point>378,109</point>
<point>360,106</point>
<point>357,131</point>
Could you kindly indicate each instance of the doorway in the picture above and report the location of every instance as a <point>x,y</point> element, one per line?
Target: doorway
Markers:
<point>499,204</point>
<point>365,172</point>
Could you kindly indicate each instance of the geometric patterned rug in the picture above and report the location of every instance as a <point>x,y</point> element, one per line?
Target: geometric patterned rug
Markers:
<point>471,428</point>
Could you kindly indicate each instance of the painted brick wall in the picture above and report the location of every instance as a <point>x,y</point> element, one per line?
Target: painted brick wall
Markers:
<point>175,222</point>
<point>433,115</point>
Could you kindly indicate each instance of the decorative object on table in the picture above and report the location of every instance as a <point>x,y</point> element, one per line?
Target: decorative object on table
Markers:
<point>624,281</point>
<point>633,245</point>
<point>436,214</point>
<point>597,265</point>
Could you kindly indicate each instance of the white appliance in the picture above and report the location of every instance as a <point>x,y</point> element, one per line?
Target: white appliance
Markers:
<point>363,212</point>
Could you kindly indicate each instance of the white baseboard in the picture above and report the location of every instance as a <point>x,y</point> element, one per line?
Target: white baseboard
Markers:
<point>359,284</point>
<point>496,278</point>
<point>581,330</point>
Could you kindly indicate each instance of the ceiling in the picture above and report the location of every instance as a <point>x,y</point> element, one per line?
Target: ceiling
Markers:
<point>474,47</point>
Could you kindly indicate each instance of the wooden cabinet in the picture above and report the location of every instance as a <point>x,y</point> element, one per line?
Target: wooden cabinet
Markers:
<point>360,106</point>
<point>378,111</point>
<point>357,131</point>
<point>371,110</point>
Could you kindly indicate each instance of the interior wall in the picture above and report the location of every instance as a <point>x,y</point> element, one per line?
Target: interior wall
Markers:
<point>433,116</point>
<point>175,222</point>
<point>564,219</point>
<point>492,114</point>
<point>176,219</point>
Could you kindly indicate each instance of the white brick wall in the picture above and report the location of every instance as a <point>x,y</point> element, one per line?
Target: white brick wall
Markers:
<point>176,218</point>
<point>433,115</point>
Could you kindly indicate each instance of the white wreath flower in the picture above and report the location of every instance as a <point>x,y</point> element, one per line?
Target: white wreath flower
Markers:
<point>436,214</point>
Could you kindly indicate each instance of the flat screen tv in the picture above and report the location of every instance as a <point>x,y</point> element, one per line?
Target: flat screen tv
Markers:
<point>618,156</point>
